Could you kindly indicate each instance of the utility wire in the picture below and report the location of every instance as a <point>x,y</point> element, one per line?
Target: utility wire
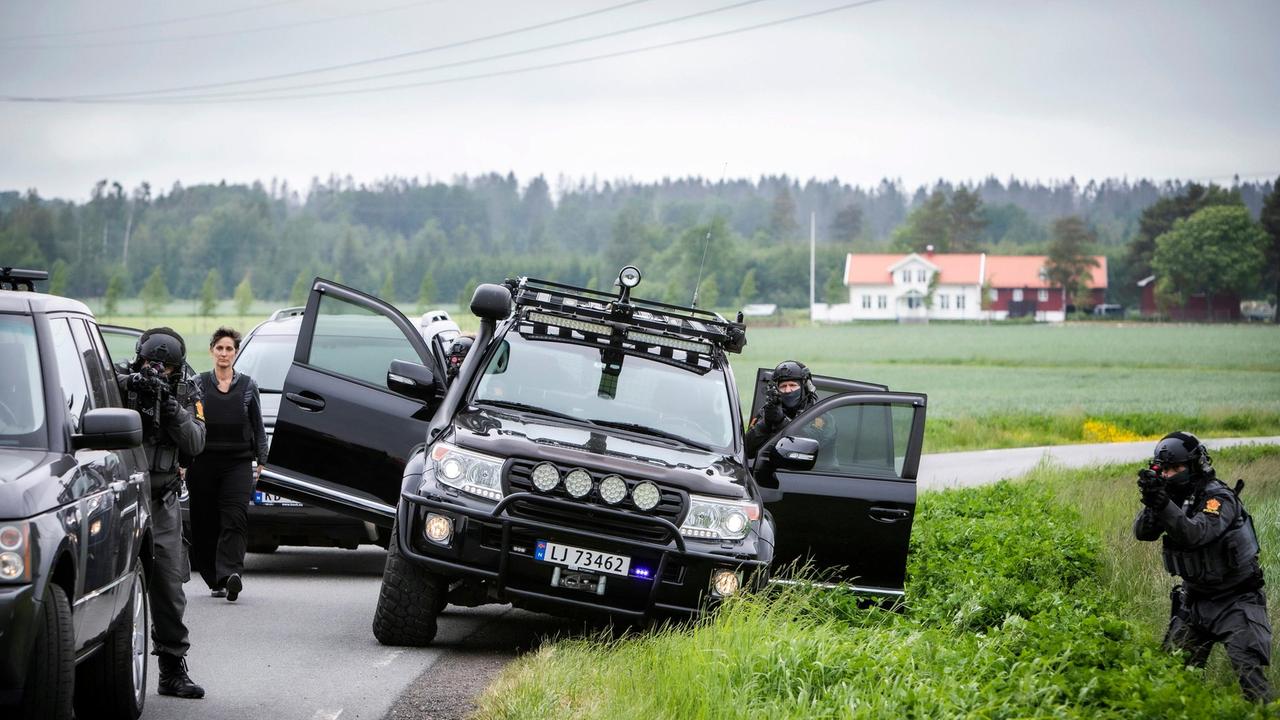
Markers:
<point>225,33</point>
<point>463,78</point>
<point>150,23</point>
<point>355,63</point>
<point>460,63</point>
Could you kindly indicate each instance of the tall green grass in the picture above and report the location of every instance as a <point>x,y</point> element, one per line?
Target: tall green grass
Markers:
<point>1026,599</point>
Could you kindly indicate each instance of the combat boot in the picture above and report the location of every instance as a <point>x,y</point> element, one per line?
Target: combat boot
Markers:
<point>174,679</point>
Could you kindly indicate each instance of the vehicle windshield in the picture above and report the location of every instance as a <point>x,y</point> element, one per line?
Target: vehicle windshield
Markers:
<point>594,384</point>
<point>266,359</point>
<point>21,395</point>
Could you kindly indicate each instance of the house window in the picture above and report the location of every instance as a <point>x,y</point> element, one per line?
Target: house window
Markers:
<point>920,275</point>
<point>882,301</point>
<point>1017,295</point>
<point>944,302</point>
<point>1042,296</point>
<point>960,302</point>
<point>913,302</point>
<point>994,294</point>
<point>906,276</point>
<point>866,302</point>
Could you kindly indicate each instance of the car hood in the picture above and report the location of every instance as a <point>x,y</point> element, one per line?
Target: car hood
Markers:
<point>510,433</point>
<point>27,481</point>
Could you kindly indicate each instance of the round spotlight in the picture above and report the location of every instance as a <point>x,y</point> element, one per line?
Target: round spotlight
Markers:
<point>578,482</point>
<point>11,566</point>
<point>629,277</point>
<point>646,496</point>
<point>724,582</point>
<point>613,489</point>
<point>545,477</point>
<point>734,523</point>
<point>10,538</point>
<point>439,529</point>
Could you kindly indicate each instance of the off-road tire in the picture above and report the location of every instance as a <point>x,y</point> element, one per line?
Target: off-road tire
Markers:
<point>408,602</point>
<point>113,682</point>
<point>51,674</point>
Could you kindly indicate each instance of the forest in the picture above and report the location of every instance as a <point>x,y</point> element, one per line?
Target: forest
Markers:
<point>429,240</point>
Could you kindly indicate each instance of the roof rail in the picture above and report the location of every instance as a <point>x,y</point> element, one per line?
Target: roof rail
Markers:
<point>13,278</point>
<point>288,312</point>
<point>659,319</point>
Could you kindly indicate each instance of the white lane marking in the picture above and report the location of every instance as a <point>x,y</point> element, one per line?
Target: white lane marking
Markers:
<point>390,658</point>
<point>323,714</point>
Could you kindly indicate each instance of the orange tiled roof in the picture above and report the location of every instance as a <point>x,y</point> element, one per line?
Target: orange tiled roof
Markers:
<point>1022,271</point>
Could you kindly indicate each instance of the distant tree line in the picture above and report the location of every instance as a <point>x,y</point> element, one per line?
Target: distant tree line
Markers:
<point>429,241</point>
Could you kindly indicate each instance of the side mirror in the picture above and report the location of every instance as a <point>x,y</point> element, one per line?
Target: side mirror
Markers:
<point>411,379</point>
<point>108,429</point>
<point>491,302</point>
<point>795,453</point>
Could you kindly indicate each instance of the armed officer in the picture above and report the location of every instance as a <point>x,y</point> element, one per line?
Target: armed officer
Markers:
<point>790,391</point>
<point>1210,543</point>
<point>155,385</point>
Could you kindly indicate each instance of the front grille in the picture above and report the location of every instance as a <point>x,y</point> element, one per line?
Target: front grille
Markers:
<point>671,505</point>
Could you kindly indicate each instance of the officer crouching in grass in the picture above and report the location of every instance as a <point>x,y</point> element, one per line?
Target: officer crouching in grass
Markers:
<point>155,385</point>
<point>1210,543</point>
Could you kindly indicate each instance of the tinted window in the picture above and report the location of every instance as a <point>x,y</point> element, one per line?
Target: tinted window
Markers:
<point>120,345</point>
<point>867,440</point>
<point>92,364</point>
<point>21,391</point>
<point>266,359</point>
<point>356,342</point>
<point>75,390</point>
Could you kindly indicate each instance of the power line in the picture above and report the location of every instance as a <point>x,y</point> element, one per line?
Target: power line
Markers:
<point>151,23</point>
<point>355,63</point>
<point>225,33</point>
<point>463,78</point>
<point>473,61</point>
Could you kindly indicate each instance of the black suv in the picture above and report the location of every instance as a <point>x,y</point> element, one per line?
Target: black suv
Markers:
<point>589,457</point>
<point>75,523</point>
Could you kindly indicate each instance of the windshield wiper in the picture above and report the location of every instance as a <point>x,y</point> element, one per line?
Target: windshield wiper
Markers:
<point>646,430</point>
<point>533,409</point>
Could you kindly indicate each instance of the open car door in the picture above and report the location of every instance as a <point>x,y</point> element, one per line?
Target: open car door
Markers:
<point>347,422</point>
<point>849,517</point>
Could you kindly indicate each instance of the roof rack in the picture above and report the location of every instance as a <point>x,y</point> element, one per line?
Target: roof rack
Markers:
<point>645,321</point>
<point>12,278</point>
<point>284,313</point>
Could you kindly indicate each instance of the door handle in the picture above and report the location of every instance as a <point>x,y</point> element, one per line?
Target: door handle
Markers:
<point>308,401</point>
<point>118,486</point>
<point>888,515</point>
<point>137,478</point>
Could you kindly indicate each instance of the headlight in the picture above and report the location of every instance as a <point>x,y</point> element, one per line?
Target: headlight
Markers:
<point>468,471</point>
<point>15,553</point>
<point>718,519</point>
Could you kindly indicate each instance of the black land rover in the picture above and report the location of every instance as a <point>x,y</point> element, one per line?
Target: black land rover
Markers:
<point>588,457</point>
<point>75,522</point>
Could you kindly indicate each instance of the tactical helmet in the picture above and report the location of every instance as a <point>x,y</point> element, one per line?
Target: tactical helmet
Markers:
<point>458,352</point>
<point>163,345</point>
<point>791,370</point>
<point>1180,448</point>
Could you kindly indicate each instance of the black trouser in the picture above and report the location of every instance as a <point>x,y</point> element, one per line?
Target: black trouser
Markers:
<point>170,571</point>
<point>220,489</point>
<point>1238,621</point>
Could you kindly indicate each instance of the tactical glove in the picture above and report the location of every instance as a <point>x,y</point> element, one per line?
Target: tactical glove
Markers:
<point>169,407</point>
<point>774,417</point>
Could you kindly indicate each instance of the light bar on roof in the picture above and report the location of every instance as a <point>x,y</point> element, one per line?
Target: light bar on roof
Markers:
<point>570,323</point>
<point>652,339</point>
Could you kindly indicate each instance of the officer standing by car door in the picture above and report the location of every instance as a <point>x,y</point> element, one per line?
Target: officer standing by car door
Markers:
<point>790,392</point>
<point>173,426</point>
<point>1210,543</point>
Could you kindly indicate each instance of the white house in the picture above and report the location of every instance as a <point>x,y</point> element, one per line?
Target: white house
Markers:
<point>899,287</point>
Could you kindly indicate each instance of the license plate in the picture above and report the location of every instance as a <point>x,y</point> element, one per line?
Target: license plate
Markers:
<point>261,498</point>
<point>576,558</point>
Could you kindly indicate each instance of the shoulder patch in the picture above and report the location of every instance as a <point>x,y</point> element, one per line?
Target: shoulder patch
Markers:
<point>200,417</point>
<point>1211,505</point>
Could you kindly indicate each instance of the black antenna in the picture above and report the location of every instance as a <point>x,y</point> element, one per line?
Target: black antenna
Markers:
<point>706,242</point>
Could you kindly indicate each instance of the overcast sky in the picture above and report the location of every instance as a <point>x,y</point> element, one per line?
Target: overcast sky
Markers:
<point>910,89</point>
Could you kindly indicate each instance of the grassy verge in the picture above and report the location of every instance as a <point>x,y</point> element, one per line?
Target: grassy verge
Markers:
<point>1027,599</point>
<point>1025,429</point>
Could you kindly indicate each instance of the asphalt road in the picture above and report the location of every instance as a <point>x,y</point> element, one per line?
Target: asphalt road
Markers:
<point>297,645</point>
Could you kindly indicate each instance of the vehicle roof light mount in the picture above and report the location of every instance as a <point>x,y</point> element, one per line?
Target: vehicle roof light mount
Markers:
<point>628,278</point>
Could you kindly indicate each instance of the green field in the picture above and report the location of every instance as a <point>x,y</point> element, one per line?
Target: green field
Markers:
<point>992,385</point>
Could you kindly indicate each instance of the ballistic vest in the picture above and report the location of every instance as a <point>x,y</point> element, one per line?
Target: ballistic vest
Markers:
<point>1226,561</point>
